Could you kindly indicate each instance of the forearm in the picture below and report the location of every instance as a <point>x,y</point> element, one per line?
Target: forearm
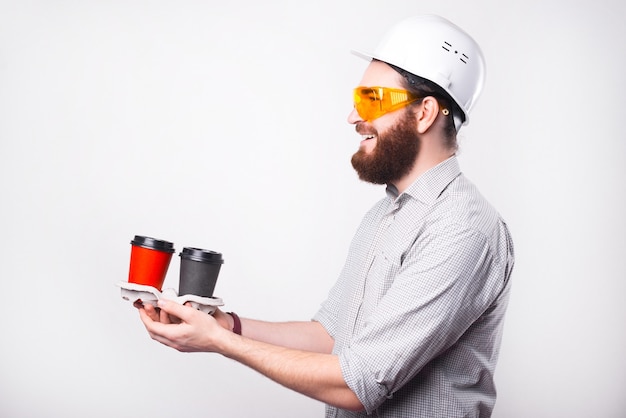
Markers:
<point>299,335</point>
<point>305,335</point>
<point>315,375</point>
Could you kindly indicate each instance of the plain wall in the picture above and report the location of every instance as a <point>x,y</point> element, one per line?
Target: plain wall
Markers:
<point>222,125</point>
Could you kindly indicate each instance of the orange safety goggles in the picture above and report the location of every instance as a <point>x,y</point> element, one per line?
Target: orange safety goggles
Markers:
<point>373,102</point>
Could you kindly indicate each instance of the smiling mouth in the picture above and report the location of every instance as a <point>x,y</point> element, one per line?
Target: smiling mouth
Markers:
<point>366,137</point>
<point>367,142</point>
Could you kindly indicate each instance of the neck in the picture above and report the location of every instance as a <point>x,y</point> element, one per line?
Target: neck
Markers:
<point>426,159</point>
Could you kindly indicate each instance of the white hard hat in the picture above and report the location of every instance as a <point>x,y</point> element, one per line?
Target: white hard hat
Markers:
<point>434,48</point>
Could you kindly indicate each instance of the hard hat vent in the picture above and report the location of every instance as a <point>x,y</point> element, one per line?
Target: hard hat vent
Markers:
<point>448,47</point>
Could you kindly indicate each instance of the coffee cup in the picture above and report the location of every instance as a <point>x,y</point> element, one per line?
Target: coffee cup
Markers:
<point>198,271</point>
<point>149,260</point>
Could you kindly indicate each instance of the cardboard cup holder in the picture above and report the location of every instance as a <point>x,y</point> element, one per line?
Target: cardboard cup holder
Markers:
<point>151,295</point>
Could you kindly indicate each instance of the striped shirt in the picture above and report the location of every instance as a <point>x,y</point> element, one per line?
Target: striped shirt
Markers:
<point>418,309</point>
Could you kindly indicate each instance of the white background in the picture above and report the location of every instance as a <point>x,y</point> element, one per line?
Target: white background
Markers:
<point>222,125</point>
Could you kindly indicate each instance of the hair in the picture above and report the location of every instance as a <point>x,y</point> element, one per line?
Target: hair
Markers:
<point>422,87</point>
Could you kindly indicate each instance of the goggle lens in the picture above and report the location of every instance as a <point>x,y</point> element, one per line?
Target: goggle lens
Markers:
<point>373,102</point>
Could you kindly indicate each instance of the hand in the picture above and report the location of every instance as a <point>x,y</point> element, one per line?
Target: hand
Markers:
<point>314,374</point>
<point>182,327</point>
<point>156,314</point>
<point>224,319</point>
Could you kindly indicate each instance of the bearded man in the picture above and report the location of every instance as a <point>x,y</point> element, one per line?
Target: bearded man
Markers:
<point>412,327</point>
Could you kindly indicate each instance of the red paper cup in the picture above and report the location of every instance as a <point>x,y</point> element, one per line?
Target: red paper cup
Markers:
<point>149,260</point>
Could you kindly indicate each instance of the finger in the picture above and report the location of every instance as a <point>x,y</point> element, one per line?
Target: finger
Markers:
<point>163,340</point>
<point>157,330</point>
<point>151,312</point>
<point>145,318</point>
<point>185,313</point>
<point>163,333</point>
<point>174,320</point>
<point>164,317</point>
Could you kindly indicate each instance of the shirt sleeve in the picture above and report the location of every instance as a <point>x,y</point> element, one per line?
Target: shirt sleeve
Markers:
<point>327,314</point>
<point>445,282</point>
<point>329,311</point>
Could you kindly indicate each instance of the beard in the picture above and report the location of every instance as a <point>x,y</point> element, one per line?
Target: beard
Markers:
<point>393,156</point>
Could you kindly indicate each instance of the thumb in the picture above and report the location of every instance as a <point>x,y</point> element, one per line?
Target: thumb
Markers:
<point>175,309</point>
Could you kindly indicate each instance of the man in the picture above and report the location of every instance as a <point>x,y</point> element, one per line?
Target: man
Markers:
<point>412,326</point>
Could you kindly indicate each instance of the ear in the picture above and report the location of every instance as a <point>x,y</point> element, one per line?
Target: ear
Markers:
<point>427,114</point>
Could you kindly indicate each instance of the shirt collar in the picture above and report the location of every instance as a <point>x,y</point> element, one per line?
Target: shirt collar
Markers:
<point>427,187</point>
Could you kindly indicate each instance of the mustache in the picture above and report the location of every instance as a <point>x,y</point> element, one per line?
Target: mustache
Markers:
<point>363,128</point>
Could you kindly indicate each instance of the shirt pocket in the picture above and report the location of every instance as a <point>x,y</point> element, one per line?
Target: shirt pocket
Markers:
<point>379,280</point>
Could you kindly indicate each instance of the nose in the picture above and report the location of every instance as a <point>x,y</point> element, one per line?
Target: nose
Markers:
<point>354,117</point>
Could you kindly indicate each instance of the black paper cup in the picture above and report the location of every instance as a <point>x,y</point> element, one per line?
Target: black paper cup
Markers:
<point>198,271</point>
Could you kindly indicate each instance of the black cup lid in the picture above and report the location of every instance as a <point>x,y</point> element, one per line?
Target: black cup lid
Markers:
<point>153,243</point>
<point>204,256</point>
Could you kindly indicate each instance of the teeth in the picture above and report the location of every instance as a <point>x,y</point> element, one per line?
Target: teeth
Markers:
<point>368,136</point>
